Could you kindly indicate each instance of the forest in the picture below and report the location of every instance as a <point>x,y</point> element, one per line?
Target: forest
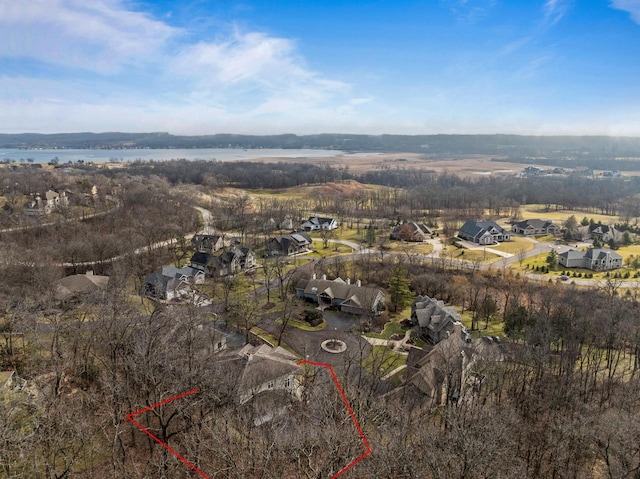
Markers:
<point>563,401</point>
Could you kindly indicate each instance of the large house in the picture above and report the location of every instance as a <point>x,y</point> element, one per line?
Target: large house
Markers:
<point>411,231</point>
<point>79,284</point>
<point>46,204</point>
<point>316,223</point>
<point>483,232</point>
<point>224,264</point>
<point>597,259</point>
<point>604,233</point>
<point>435,320</point>
<point>264,369</point>
<point>453,371</point>
<point>287,245</point>
<point>171,282</point>
<point>346,297</point>
<point>209,243</point>
<point>536,227</point>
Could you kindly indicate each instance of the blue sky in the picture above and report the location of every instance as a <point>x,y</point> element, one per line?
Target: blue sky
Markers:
<point>263,67</point>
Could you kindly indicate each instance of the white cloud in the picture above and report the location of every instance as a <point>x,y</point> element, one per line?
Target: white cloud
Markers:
<point>632,7</point>
<point>554,11</point>
<point>130,61</point>
<point>97,35</point>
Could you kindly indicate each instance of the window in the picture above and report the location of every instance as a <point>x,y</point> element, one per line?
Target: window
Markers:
<point>287,383</point>
<point>219,344</point>
<point>270,385</point>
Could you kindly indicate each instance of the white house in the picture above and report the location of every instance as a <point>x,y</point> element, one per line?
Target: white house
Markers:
<point>316,223</point>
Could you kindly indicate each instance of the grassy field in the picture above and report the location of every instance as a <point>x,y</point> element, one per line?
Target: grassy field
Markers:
<point>514,246</point>
<point>559,216</point>
<point>473,255</point>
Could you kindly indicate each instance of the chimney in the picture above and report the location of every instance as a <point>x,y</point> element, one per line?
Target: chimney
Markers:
<point>248,356</point>
<point>313,276</point>
<point>457,327</point>
<point>89,273</point>
<point>358,283</point>
<point>324,277</point>
<point>348,280</point>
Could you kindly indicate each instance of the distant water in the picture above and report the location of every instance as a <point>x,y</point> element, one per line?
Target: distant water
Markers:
<point>102,156</point>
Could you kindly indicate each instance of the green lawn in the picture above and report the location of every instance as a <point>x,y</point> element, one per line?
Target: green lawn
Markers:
<point>304,326</point>
<point>474,255</point>
<point>496,327</point>
<point>390,328</point>
<point>514,246</point>
<point>383,360</point>
<point>529,265</point>
<point>411,248</point>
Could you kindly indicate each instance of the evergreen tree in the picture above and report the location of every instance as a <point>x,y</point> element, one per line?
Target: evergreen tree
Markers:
<point>401,295</point>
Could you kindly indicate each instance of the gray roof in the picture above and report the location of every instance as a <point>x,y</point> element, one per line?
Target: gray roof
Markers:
<point>572,254</point>
<point>264,363</point>
<point>480,228</point>
<point>535,223</point>
<point>340,290</point>
<point>600,253</point>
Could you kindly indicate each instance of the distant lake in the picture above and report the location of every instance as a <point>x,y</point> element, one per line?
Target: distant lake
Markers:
<point>102,156</point>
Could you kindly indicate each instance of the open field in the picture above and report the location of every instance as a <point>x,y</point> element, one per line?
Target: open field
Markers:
<point>559,216</point>
<point>516,245</point>
<point>469,165</point>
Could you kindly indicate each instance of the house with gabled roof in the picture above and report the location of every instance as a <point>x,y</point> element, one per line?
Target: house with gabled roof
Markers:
<point>596,259</point>
<point>209,243</point>
<point>171,282</point>
<point>535,227</point>
<point>346,297</point>
<point>452,370</point>
<point>47,203</point>
<point>264,369</point>
<point>483,232</point>
<point>287,245</point>
<point>411,231</point>
<point>76,284</point>
<point>604,233</point>
<point>316,223</point>
<point>435,320</point>
<point>226,263</point>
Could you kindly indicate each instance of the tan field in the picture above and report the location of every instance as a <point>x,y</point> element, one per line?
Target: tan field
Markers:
<point>470,165</point>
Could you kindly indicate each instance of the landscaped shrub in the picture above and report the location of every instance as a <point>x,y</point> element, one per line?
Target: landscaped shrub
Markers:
<point>313,317</point>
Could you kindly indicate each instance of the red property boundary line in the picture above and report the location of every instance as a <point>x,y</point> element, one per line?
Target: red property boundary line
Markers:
<point>353,416</point>
<point>196,390</point>
<point>163,444</point>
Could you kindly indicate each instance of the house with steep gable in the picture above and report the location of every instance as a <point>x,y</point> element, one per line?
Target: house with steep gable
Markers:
<point>604,233</point>
<point>287,245</point>
<point>264,369</point>
<point>536,227</point>
<point>411,231</point>
<point>224,264</point>
<point>316,223</point>
<point>170,282</point>
<point>435,320</point>
<point>209,243</point>
<point>346,297</point>
<point>43,205</point>
<point>596,259</point>
<point>452,371</point>
<point>483,232</point>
